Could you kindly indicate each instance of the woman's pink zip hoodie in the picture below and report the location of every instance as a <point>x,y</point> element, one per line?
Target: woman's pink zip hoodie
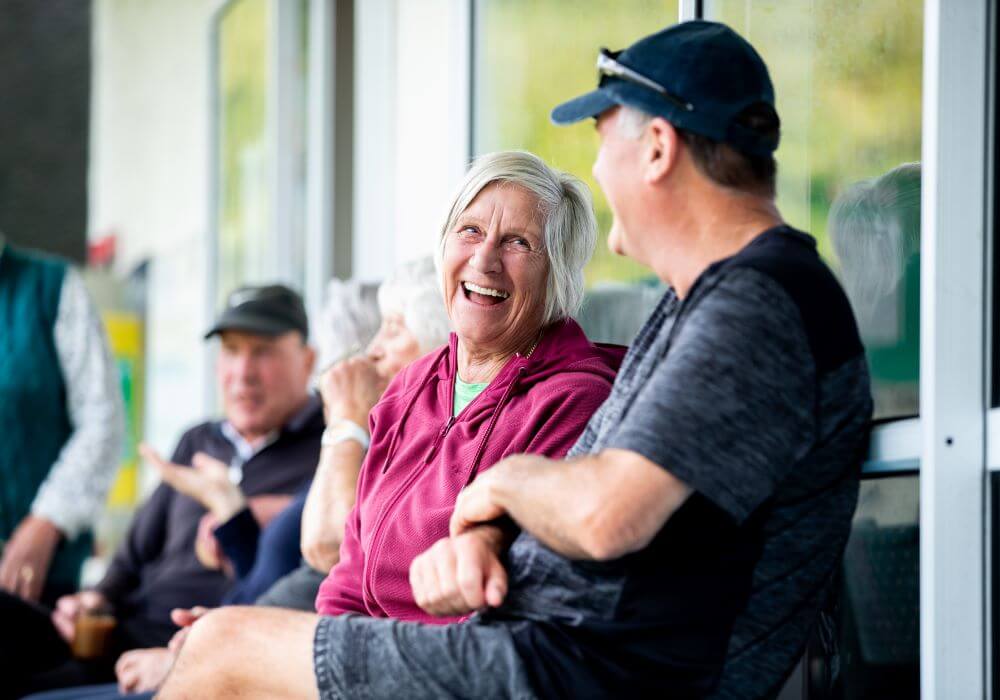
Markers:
<point>420,457</point>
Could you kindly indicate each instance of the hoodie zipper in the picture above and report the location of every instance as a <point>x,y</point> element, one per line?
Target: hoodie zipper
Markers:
<point>493,421</point>
<point>406,412</point>
<point>368,580</point>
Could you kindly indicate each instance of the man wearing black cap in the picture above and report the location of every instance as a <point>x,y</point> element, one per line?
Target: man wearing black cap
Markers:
<point>270,438</point>
<point>684,547</point>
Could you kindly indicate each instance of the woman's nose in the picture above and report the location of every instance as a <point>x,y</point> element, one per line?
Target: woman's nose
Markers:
<point>486,258</point>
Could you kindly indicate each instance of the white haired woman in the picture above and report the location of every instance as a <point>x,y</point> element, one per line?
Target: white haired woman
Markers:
<point>518,375</point>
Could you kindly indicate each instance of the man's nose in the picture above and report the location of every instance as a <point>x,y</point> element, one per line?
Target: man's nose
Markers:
<point>245,367</point>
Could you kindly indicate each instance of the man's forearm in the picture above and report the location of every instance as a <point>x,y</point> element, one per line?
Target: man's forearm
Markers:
<point>591,507</point>
<point>550,499</point>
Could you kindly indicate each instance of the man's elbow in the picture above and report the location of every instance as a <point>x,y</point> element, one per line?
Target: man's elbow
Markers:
<point>606,538</point>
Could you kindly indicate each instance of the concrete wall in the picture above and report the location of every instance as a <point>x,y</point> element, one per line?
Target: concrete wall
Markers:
<point>44,105</point>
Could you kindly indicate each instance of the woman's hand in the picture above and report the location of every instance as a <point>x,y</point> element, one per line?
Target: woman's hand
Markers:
<point>350,389</point>
<point>143,670</point>
<point>27,557</point>
<point>459,575</point>
<point>206,481</point>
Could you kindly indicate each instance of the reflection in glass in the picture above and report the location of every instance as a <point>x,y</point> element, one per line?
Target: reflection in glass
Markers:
<point>529,57</point>
<point>848,82</point>
<point>875,228</point>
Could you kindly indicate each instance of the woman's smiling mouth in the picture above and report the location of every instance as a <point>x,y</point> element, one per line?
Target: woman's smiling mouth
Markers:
<point>484,296</point>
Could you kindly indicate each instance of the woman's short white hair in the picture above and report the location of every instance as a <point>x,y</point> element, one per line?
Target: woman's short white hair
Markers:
<point>349,320</point>
<point>570,229</point>
<point>412,290</point>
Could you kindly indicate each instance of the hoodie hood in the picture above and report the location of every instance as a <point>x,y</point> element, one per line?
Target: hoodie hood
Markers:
<point>563,347</point>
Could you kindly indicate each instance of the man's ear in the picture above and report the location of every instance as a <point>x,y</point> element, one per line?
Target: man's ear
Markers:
<point>310,359</point>
<point>660,149</point>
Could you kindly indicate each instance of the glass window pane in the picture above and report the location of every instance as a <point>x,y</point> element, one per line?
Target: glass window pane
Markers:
<point>529,56</point>
<point>261,144</point>
<point>244,201</point>
<point>848,83</point>
<point>874,648</point>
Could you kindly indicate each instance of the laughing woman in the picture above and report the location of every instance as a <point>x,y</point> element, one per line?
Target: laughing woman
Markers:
<point>518,375</point>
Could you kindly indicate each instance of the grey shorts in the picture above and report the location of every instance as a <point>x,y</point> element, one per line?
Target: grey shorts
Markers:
<point>296,590</point>
<point>364,657</point>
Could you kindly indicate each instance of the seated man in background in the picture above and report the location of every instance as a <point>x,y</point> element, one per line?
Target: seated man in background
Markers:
<point>270,438</point>
<point>413,323</point>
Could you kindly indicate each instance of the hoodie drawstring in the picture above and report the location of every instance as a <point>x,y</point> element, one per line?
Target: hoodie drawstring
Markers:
<point>409,407</point>
<point>493,421</point>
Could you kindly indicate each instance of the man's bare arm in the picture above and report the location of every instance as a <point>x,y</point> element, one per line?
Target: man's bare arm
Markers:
<point>594,507</point>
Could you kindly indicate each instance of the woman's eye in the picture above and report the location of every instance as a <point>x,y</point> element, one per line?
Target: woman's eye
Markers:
<point>519,243</point>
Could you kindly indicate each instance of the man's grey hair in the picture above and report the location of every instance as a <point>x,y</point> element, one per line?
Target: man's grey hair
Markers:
<point>570,228</point>
<point>413,291</point>
<point>349,320</point>
<point>632,122</point>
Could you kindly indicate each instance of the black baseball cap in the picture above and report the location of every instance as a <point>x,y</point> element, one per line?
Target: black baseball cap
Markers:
<point>698,75</point>
<point>270,310</point>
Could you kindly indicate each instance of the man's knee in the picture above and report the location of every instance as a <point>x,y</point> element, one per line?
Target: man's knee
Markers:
<point>217,630</point>
<point>204,660</point>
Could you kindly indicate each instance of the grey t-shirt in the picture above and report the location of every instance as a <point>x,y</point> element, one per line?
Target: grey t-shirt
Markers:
<point>754,391</point>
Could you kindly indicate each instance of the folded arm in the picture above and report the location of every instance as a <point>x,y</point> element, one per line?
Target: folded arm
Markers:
<point>599,506</point>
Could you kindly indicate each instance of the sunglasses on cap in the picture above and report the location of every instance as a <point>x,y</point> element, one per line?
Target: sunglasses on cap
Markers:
<point>608,66</point>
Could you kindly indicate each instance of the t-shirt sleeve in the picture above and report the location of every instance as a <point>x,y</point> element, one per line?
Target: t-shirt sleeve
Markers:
<point>730,408</point>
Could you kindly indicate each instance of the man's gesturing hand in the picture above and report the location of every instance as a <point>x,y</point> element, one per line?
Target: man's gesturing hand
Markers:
<point>462,574</point>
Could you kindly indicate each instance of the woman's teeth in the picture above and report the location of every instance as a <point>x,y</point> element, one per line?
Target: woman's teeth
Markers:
<point>486,291</point>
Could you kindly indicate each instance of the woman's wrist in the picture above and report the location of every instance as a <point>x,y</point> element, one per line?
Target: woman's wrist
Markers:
<point>340,429</point>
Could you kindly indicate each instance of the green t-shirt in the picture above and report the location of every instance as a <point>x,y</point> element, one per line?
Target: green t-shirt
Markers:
<point>465,393</point>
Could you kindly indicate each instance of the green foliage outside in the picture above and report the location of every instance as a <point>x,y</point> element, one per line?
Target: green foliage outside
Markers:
<point>848,82</point>
<point>847,77</point>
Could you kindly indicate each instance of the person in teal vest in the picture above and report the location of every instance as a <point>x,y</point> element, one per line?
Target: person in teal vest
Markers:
<point>63,423</point>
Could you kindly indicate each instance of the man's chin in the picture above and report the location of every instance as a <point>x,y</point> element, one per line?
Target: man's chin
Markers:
<point>615,243</point>
<point>247,424</point>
